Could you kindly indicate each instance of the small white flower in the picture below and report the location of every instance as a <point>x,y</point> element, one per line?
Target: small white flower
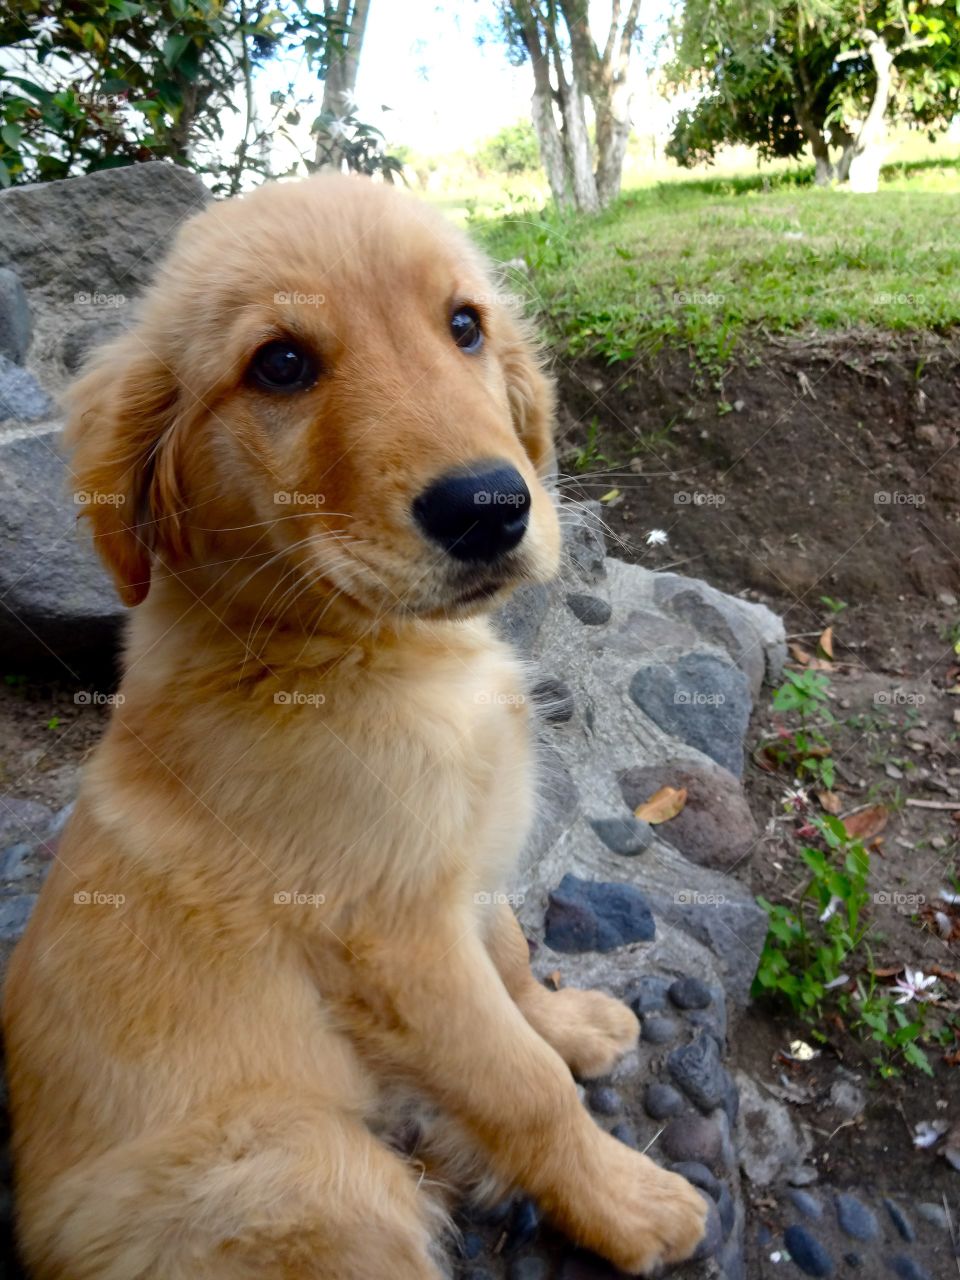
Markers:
<point>796,798</point>
<point>657,538</point>
<point>830,909</point>
<point>914,985</point>
<point>47,26</point>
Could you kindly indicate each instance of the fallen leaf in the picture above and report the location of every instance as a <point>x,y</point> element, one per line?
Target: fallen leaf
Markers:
<point>829,800</point>
<point>611,496</point>
<point>662,805</point>
<point>799,654</point>
<point>866,824</point>
<point>555,980</point>
<point>888,972</point>
<point>825,643</point>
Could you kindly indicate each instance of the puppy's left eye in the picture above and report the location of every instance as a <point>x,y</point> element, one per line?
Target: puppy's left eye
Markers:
<point>466,330</point>
<point>283,365</point>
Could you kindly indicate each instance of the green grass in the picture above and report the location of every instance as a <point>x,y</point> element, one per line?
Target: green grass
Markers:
<point>698,262</point>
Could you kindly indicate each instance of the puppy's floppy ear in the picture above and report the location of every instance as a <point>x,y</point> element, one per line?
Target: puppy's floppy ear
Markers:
<point>121,413</point>
<point>531,394</point>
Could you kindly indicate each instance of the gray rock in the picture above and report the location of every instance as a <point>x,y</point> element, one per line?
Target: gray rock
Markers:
<point>657,1030</point>
<point>520,619</point>
<point>721,623</point>
<point>806,1204</point>
<point>590,610</point>
<point>592,915</point>
<point>726,1209</point>
<point>14,913</point>
<point>22,399</point>
<point>699,1175</point>
<point>715,828</point>
<point>648,994</point>
<point>584,543</point>
<point>804,1175</point>
<point>713,1235</point>
<point>934,1214</point>
<point>555,700</point>
<point>847,1099</point>
<point>16,325</point>
<point>529,1269</point>
<point>23,820</point>
<point>692,1137</point>
<point>626,836</point>
<point>900,1220</point>
<point>605,1101</point>
<point>807,1252</point>
<point>697,1070</point>
<point>85,247</point>
<point>690,993</point>
<point>625,1133</point>
<point>907,1268</point>
<point>856,1219</point>
<point>700,700</point>
<point>768,1141</point>
<point>661,1101</point>
<point>14,863</point>
<point>748,622</point>
<point>58,607</point>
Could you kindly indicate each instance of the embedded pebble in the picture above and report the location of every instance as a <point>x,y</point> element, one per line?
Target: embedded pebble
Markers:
<point>934,1214</point>
<point>807,1252</point>
<point>727,1210</point>
<point>528,1269</point>
<point>471,1245</point>
<point>855,1218</point>
<point>900,1221</point>
<point>907,1269</point>
<point>595,915</point>
<point>697,1069</point>
<point>626,836</point>
<point>524,1224</point>
<point>692,1138</point>
<point>661,1101</point>
<point>649,995</point>
<point>590,610</point>
<point>690,993</point>
<point>699,1175</point>
<point>806,1204</point>
<point>624,1133</point>
<point>656,1030</point>
<point>605,1101</point>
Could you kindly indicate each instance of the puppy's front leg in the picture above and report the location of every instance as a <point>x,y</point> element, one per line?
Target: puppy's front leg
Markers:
<point>449,1021</point>
<point>589,1030</point>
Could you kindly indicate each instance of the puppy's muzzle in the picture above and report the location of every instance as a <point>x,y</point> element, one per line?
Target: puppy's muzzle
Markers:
<point>477,514</point>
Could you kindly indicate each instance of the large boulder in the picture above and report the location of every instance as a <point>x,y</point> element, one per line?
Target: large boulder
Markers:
<point>73,257</point>
<point>84,248</point>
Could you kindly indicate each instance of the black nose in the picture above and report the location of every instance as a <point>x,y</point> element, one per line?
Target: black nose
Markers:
<point>475,515</point>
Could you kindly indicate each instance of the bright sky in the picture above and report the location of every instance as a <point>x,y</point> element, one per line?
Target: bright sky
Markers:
<point>445,90</point>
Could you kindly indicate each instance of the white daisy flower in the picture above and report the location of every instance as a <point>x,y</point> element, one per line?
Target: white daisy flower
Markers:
<point>657,538</point>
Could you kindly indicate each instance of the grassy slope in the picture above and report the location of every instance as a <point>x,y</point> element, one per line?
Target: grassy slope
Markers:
<point>695,262</point>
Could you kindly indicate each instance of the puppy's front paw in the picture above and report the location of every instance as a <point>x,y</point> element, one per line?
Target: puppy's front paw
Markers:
<point>590,1030</point>
<point>659,1217</point>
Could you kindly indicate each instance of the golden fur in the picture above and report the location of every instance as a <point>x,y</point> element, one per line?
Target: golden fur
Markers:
<point>270,911</point>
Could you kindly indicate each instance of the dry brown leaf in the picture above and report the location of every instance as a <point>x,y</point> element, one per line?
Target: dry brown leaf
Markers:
<point>825,643</point>
<point>799,654</point>
<point>555,980</point>
<point>662,805</point>
<point>866,824</point>
<point>829,800</point>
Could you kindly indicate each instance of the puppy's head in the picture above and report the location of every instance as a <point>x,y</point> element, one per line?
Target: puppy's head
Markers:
<point>324,396</point>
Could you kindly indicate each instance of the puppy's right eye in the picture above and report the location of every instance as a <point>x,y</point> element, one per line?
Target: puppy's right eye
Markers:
<point>283,365</point>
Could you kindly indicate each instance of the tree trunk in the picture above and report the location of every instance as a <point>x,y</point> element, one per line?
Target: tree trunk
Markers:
<point>810,127</point>
<point>870,147</point>
<point>576,139</point>
<point>341,78</point>
<point>541,110</point>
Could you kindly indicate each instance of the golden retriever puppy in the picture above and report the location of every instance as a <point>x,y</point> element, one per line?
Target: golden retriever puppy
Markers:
<point>313,465</point>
